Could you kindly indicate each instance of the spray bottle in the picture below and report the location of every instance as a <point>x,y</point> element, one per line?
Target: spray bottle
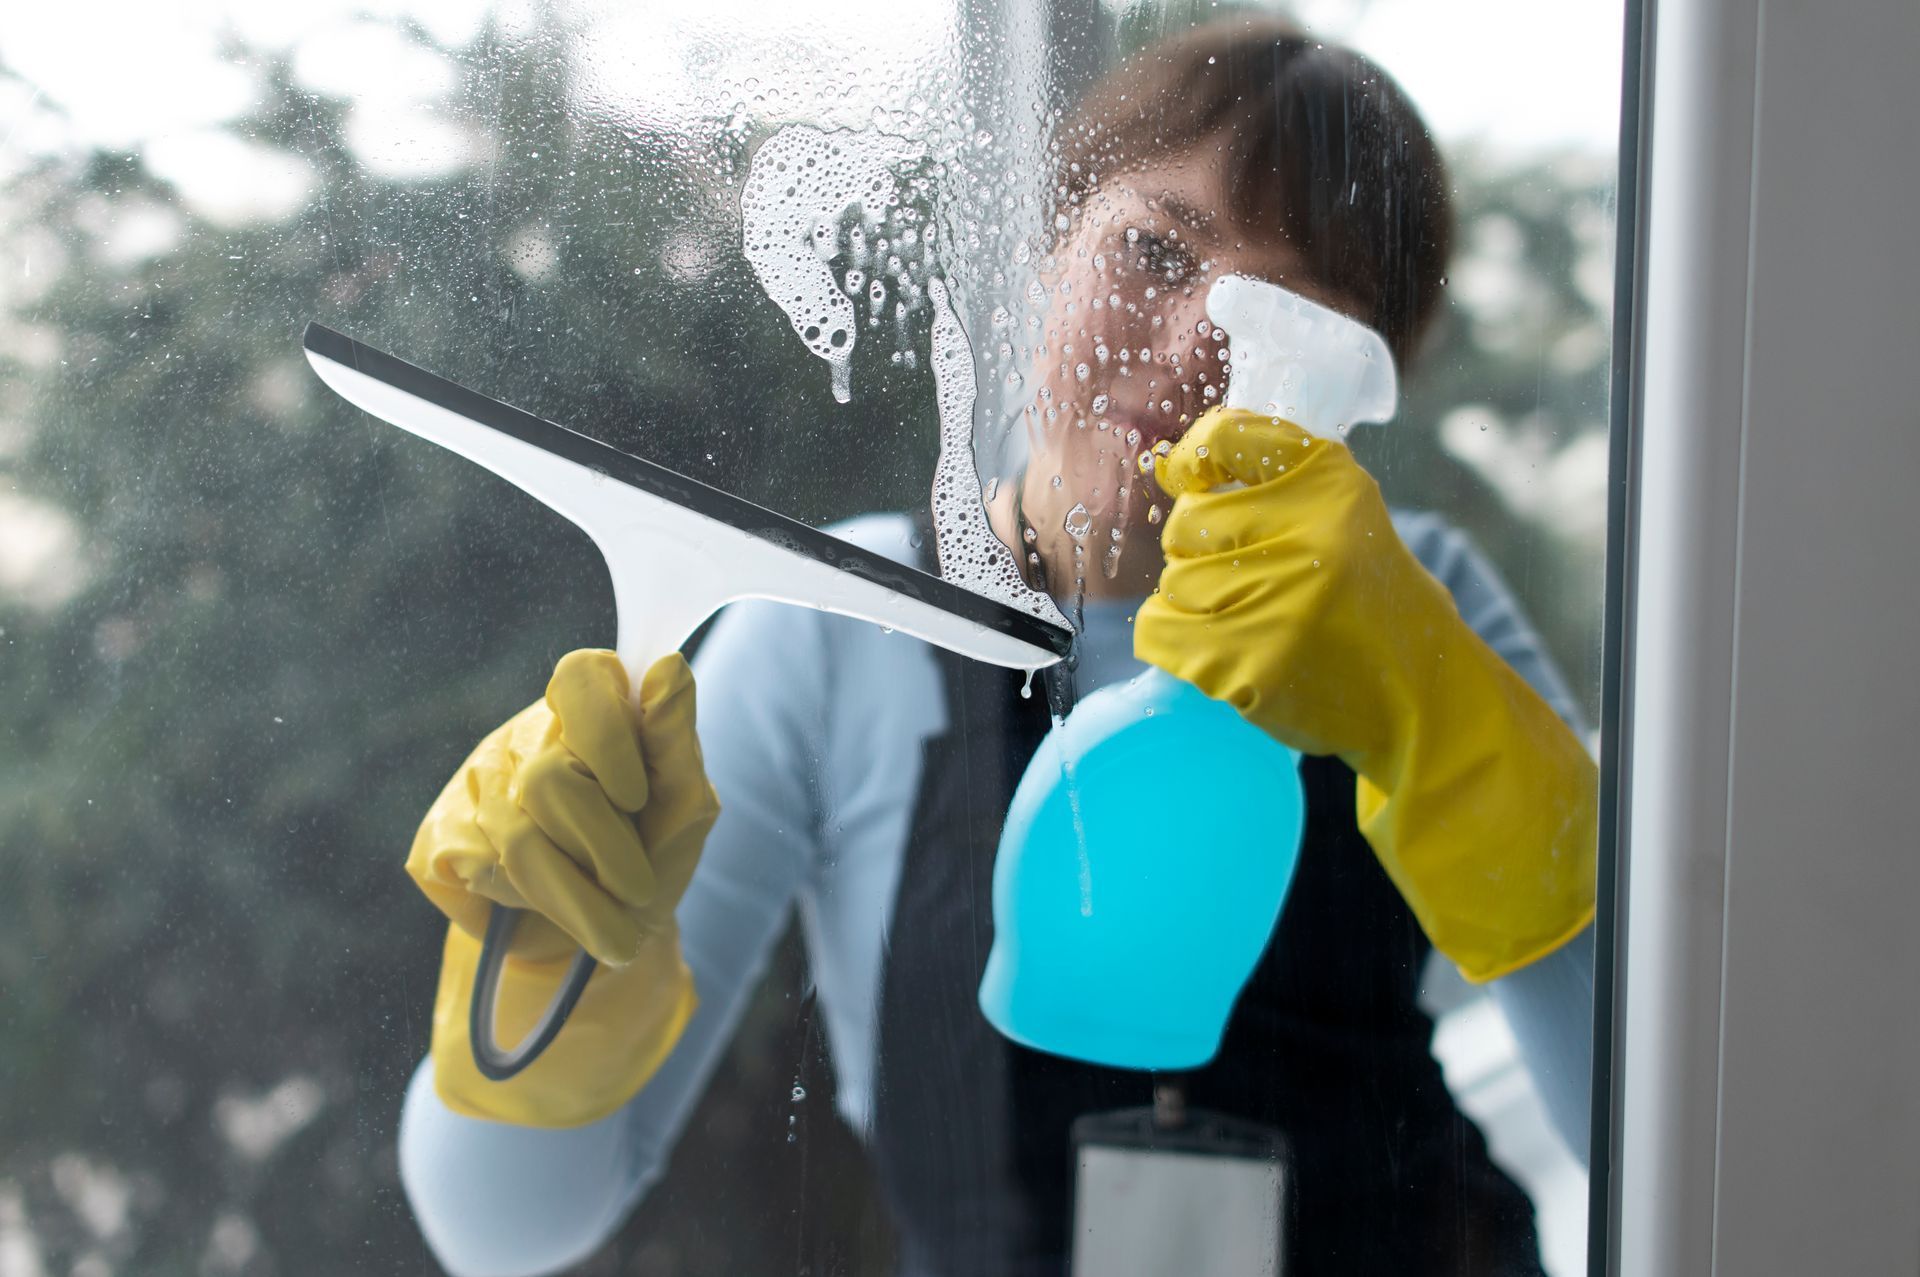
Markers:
<point>1149,846</point>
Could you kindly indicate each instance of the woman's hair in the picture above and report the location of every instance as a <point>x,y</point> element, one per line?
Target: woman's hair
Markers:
<point>1313,141</point>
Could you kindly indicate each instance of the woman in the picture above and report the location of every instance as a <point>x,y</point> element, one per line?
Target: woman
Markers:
<point>862,776</point>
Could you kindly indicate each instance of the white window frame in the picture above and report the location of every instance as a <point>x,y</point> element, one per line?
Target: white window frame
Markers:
<point>1766,1069</point>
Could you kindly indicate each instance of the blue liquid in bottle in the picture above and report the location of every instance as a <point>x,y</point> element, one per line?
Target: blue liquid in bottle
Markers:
<point>1149,846</point>
<point>1142,867</point>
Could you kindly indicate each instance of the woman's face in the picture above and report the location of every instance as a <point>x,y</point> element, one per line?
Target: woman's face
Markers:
<point>1130,361</point>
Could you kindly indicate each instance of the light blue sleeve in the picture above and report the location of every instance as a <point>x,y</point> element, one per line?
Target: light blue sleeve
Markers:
<point>495,1200</point>
<point>1548,1003</point>
<point>1488,607</point>
<point>1549,1006</point>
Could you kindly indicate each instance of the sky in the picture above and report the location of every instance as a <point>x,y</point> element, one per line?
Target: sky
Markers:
<point>1512,76</point>
<point>1518,76</point>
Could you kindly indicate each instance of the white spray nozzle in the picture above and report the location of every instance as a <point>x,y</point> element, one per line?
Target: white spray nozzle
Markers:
<point>1297,359</point>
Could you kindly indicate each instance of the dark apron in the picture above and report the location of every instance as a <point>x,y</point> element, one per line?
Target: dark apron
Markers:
<point>1327,1044</point>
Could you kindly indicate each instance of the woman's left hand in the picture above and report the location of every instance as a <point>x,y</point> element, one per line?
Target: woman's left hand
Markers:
<point>1288,594</point>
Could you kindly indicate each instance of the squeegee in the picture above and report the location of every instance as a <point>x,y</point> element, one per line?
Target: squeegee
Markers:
<point>677,551</point>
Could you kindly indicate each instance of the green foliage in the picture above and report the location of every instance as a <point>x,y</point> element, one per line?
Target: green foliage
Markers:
<point>295,620</point>
<point>285,622</point>
<point>1503,418</point>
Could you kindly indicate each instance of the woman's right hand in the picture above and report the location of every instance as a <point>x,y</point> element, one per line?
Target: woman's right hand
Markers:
<point>591,816</point>
<point>578,809</point>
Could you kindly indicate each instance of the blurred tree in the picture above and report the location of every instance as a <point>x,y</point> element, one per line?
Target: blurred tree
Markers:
<point>1503,421</point>
<point>282,623</point>
<point>294,621</point>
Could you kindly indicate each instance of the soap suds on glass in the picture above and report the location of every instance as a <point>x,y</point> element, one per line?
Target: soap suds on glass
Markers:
<point>970,554</point>
<point>801,182</point>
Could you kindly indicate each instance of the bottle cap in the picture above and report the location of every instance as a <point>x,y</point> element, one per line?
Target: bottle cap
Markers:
<point>1296,359</point>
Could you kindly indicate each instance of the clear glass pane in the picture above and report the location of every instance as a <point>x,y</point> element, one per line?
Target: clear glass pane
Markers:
<point>828,257</point>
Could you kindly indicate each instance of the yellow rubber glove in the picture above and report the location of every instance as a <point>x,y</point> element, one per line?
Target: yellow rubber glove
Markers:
<point>1293,599</point>
<point>593,818</point>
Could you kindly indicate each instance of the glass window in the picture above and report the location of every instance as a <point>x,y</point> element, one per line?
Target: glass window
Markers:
<point>831,258</point>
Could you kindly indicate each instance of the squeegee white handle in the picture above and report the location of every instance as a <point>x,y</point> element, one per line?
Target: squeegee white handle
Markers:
<point>672,567</point>
<point>663,590</point>
<point>664,583</point>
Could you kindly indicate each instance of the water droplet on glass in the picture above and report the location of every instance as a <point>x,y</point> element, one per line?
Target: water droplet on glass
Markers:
<point>1078,522</point>
<point>1153,514</point>
<point>799,1093</point>
<point>1200,451</point>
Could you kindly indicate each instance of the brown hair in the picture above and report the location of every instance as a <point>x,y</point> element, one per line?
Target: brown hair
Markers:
<point>1314,141</point>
